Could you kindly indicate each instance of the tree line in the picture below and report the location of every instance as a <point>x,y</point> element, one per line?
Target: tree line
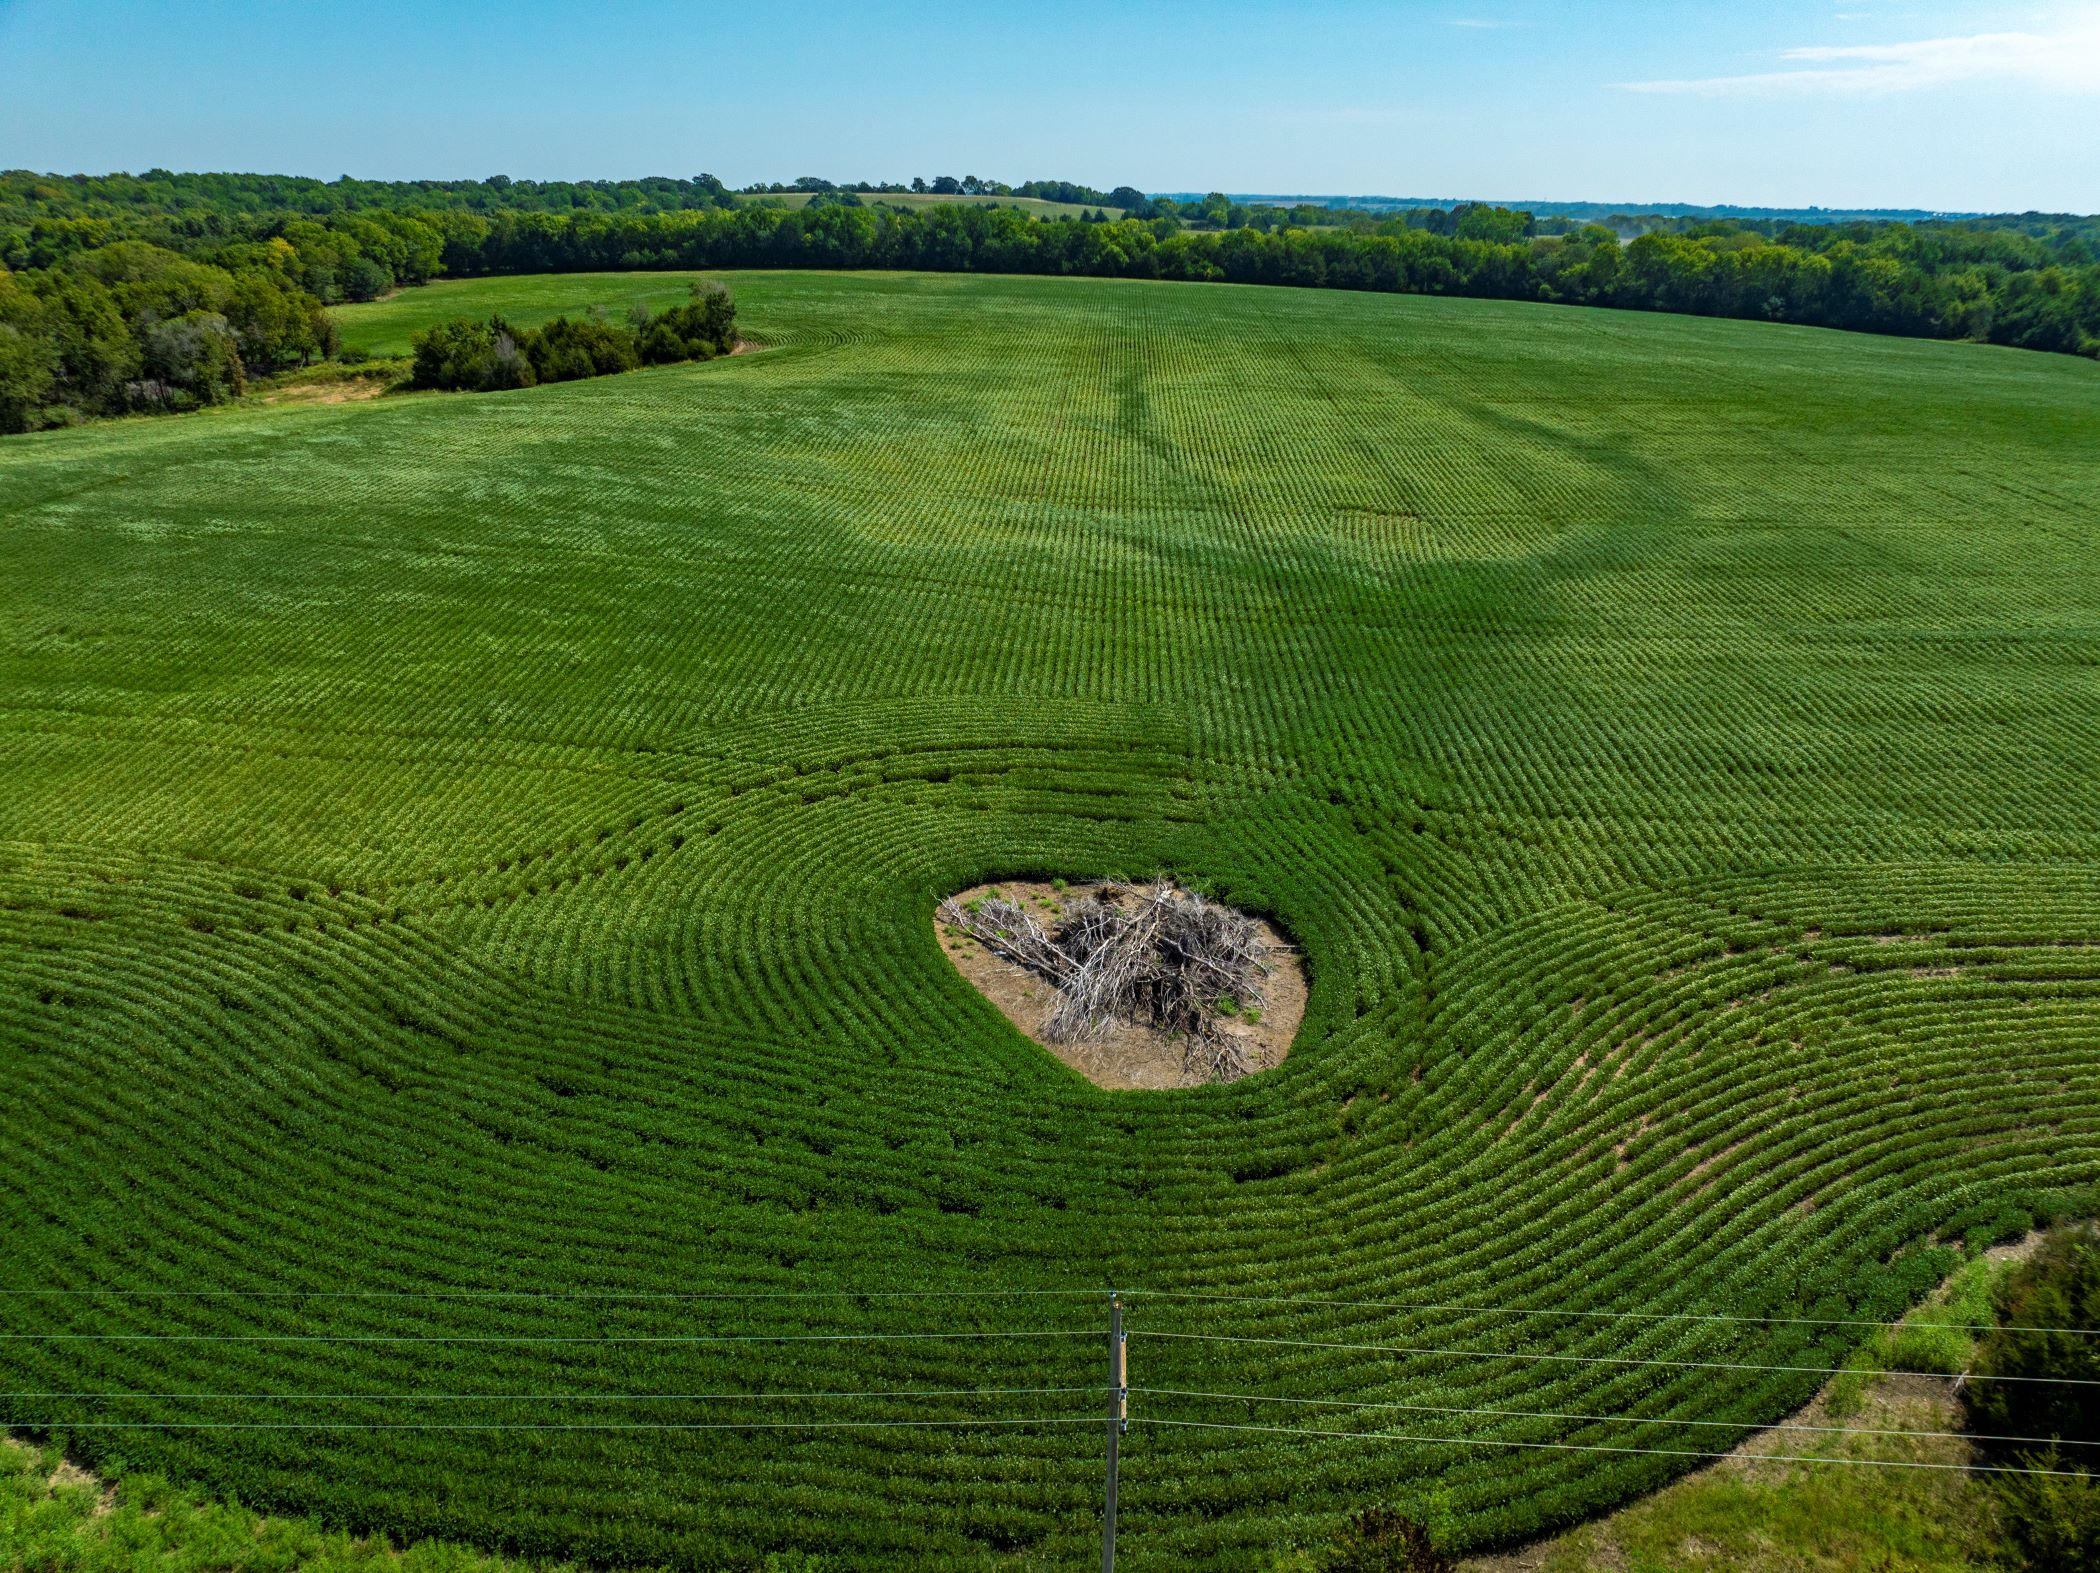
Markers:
<point>25,193</point>
<point>1952,281</point>
<point>134,327</point>
<point>166,292</point>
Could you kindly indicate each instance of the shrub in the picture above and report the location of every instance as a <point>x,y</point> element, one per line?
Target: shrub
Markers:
<point>364,279</point>
<point>2048,1309</point>
<point>700,330</point>
<point>467,356</point>
<point>2058,1291</point>
<point>567,349</point>
<point>2054,1520</point>
<point>1384,1540</point>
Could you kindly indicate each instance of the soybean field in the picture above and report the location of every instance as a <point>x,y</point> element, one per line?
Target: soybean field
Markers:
<point>477,1056</point>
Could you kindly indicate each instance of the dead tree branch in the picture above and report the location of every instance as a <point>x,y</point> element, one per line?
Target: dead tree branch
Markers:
<point>1157,954</point>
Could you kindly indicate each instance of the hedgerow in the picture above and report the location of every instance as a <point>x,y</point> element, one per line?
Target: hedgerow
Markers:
<point>489,844</point>
<point>466,355</point>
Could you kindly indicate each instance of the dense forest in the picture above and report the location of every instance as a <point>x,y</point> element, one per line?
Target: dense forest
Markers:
<point>156,292</point>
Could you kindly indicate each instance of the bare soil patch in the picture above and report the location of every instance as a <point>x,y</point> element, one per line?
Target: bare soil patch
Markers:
<point>329,383</point>
<point>1122,1054</point>
<point>70,1474</point>
<point>325,393</point>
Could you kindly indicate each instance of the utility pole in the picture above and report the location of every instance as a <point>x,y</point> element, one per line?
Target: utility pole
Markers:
<point>1118,1421</point>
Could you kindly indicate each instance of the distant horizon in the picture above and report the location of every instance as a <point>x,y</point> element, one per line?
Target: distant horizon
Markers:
<point>1673,207</point>
<point>1670,207</point>
<point>1935,106</point>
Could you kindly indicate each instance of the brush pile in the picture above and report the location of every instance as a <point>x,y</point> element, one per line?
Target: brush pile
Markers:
<point>1156,954</point>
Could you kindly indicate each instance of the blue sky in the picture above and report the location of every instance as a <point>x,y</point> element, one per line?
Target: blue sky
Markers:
<point>1783,102</point>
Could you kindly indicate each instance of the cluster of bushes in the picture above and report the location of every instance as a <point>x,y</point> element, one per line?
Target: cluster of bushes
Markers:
<point>136,327</point>
<point>464,355</point>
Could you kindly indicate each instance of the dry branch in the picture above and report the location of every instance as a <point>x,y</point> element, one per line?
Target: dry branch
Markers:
<point>1156,954</point>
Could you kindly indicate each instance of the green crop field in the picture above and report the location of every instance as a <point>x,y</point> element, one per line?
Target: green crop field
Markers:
<point>467,867</point>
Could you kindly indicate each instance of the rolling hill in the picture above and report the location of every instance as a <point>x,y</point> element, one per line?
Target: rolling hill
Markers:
<point>467,990</point>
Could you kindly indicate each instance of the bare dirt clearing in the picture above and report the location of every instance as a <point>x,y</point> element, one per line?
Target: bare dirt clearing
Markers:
<point>342,390</point>
<point>1122,1054</point>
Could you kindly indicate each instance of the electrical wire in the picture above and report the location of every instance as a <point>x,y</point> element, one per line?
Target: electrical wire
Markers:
<point>1627,1360</point>
<point>1632,1420</point>
<point>565,1398</point>
<point>1641,1316</point>
<point>498,1338</point>
<point>70,1426</point>
<point>1588,1447</point>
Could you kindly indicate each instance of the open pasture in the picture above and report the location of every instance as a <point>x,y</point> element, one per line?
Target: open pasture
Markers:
<point>477,852</point>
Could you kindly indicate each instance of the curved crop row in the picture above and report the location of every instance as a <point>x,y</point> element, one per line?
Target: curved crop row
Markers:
<point>479,853</point>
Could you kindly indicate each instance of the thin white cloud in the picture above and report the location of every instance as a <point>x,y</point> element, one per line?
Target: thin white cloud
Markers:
<point>2065,60</point>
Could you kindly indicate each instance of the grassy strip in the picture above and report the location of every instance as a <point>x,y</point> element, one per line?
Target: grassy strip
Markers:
<point>1936,1337</point>
<point>54,1516</point>
<point>1749,1516</point>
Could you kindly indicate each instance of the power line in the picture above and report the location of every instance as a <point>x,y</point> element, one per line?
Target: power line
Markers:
<point>500,1338</point>
<point>594,1295</point>
<point>579,1398</point>
<point>1486,1412</point>
<point>1632,1420</point>
<point>1588,1447</point>
<point>1010,1392</point>
<point>584,1425</point>
<point>549,1294</point>
<point>1629,1360</point>
<point>1639,1316</point>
